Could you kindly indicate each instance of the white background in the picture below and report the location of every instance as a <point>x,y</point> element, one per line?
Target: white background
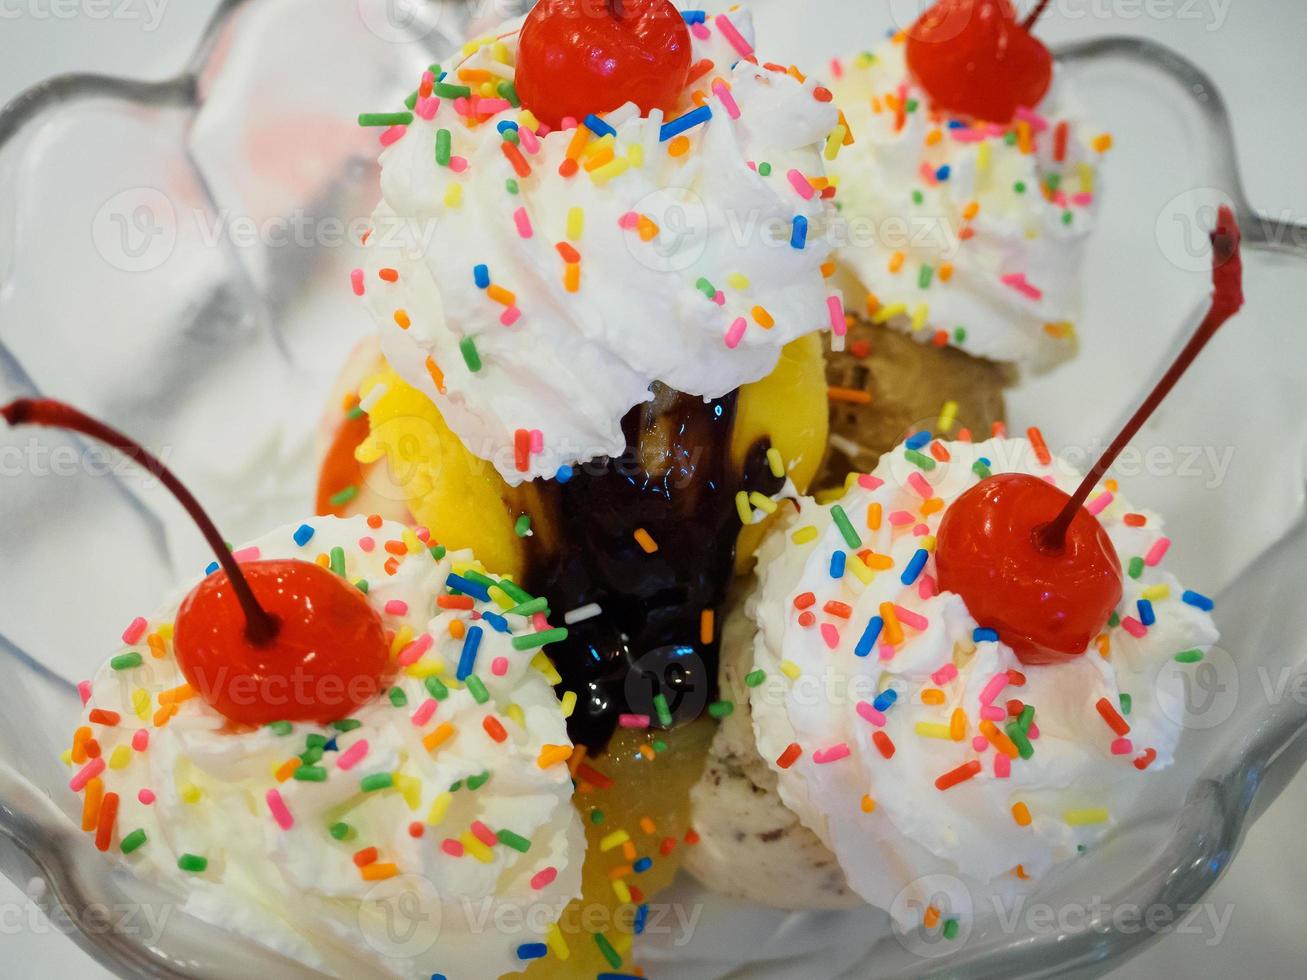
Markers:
<point>1255,51</point>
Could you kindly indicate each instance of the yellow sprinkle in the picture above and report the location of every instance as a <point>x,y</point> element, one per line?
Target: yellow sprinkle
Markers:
<point>409,788</point>
<point>762,502</point>
<point>190,793</point>
<point>931,729</point>
<point>982,157</point>
<point>919,316</point>
<point>860,571</point>
<point>1155,592</point>
<point>476,848</point>
<point>553,755</point>
<point>1061,329</point>
<point>428,666</point>
<point>645,540</point>
<point>927,542</point>
<point>1079,818</point>
<point>804,534</point>
<point>622,892</point>
<point>369,451</point>
<point>402,639</point>
<point>569,703</point>
<point>502,599</point>
<point>141,703</point>
<point>165,631</point>
<point>67,756</point>
<point>542,663</point>
<point>790,669</point>
<point>775,463</point>
<point>636,154</point>
<point>834,141</point>
<point>616,839</point>
<point>514,714</point>
<point>889,312</point>
<point>1021,814</point>
<point>439,807</point>
<point>737,280</point>
<point>556,943</point>
<point>453,195</point>
<point>742,507</point>
<point>1086,174</point>
<point>438,736</point>
<point>948,414</point>
<point>607,172</point>
<point>602,147</point>
<point>575,223</point>
<point>120,756</point>
<point>868,804</point>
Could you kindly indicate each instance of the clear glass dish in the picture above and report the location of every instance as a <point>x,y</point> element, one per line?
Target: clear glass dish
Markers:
<point>174,256</point>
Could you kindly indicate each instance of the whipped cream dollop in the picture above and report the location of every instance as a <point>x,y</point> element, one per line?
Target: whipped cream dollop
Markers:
<point>535,284</point>
<point>430,832</point>
<point>877,684</point>
<point>964,233</point>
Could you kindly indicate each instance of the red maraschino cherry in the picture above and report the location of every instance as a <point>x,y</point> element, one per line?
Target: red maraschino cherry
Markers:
<point>1030,561</point>
<point>267,641</point>
<point>974,59</point>
<point>581,57</point>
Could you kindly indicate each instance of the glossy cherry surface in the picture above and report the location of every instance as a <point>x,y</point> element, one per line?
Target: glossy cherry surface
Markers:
<point>974,59</point>
<point>1048,605</point>
<point>582,57</point>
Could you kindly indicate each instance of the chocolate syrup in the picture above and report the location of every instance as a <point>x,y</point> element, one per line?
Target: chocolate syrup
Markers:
<point>678,482</point>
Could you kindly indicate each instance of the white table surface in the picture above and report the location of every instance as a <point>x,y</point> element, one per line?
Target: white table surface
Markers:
<point>1257,904</point>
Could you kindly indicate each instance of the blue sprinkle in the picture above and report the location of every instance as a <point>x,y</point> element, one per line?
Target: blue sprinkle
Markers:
<point>468,658</point>
<point>694,16</point>
<point>985,460</point>
<point>475,589</point>
<point>303,534</point>
<point>499,623</point>
<point>943,172</point>
<point>837,560</point>
<point>885,699</point>
<point>617,976</point>
<point>1146,614</point>
<point>598,126</point>
<point>641,914</point>
<point>867,642</point>
<point>799,237</point>
<point>917,440</point>
<point>982,635</point>
<point>505,125</point>
<point>531,951</point>
<point>438,976</point>
<point>330,746</point>
<point>564,474</point>
<point>212,567</point>
<point>1198,600</point>
<point>956,124</point>
<point>643,865</point>
<point>680,124</point>
<point>481,273</point>
<point>915,565</point>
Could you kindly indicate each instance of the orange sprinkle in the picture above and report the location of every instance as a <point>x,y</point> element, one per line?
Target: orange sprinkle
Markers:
<point>931,919</point>
<point>873,303</point>
<point>679,146</point>
<point>92,749</point>
<point>878,563</point>
<point>91,803</point>
<point>1021,814</point>
<point>998,738</point>
<point>572,277</point>
<point>378,872</point>
<point>647,826</point>
<point>1102,143</point>
<point>763,318</point>
<point>959,775</point>
<point>971,210</point>
<point>324,560</point>
<point>647,228</point>
<point>568,168</point>
<point>457,629</point>
<point>934,136</point>
<point>107,817</point>
<point>1020,872</point>
<point>374,521</point>
<point>940,451</point>
<point>287,769</point>
<point>851,396</point>
<point>401,318</point>
<point>628,850</point>
<point>158,649</point>
<point>80,738</point>
<point>896,262</point>
<point>874,513</point>
<point>893,631</point>
<point>620,871</point>
<point>394,547</point>
<point>101,716</point>
<point>391,566</point>
<point>945,271</point>
<point>932,696</point>
<point>957,725</point>
<point>474,75</point>
<point>438,379</point>
<point>552,755</point>
<point>827,269</point>
<point>389,275</point>
<point>868,804</point>
<point>494,728</point>
<point>1025,140</point>
<point>1037,443</point>
<point>789,756</point>
<point>438,736</point>
<point>580,137</point>
<point>501,295</point>
<point>931,506</point>
<point>645,541</point>
<point>164,714</point>
<point>706,628</point>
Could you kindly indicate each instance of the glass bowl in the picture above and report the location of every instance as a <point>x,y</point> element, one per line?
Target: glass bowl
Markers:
<point>175,258</point>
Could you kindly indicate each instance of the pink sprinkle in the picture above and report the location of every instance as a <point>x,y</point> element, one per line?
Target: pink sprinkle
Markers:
<point>540,622</point>
<point>944,675</point>
<point>367,544</point>
<point>396,607</point>
<point>1082,199</point>
<point>489,107</point>
<point>736,332</point>
<point>499,666</point>
<point>569,122</point>
<point>424,712</point>
<point>484,834</point>
<point>141,740</point>
<point>909,618</point>
<point>1157,552</point>
<point>1134,627</point>
<point>728,101</point>
<point>994,687</point>
<point>426,108</point>
<point>920,531</point>
<point>731,34</point>
<point>146,797</point>
<point>452,847</point>
<point>1017,281</point>
<point>629,221</point>
<point>926,587</point>
<point>700,31</point>
<point>1060,199</point>
<point>886,652</point>
<point>353,755</point>
<point>1032,732</point>
<point>1099,503</point>
<point>247,554</point>
<point>870,714</point>
<point>356,281</point>
<point>1122,746</point>
<point>967,135</point>
<point>838,325</point>
<point>393,134</point>
<point>1037,122</point>
<point>279,812</point>
<point>544,878</point>
<point>720,298</point>
<point>462,106</point>
<point>511,315</point>
<point>918,483</point>
<point>87,773</point>
<point>992,712</point>
<point>423,534</point>
<point>458,164</point>
<point>801,185</point>
<point>537,442</point>
<point>836,69</point>
<point>834,754</point>
<point>831,635</point>
<point>633,721</point>
<point>899,518</point>
<point>523,222</point>
<point>135,630</point>
<point>527,137</point>
<point>412,653</point>
<point>979,743</point>
<point>869,482</point>
<point>1002,766</point>
<point>84,691</point>
<point>927,174</point>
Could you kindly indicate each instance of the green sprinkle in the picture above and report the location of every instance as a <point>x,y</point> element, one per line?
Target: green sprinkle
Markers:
<point>919,459</point>
<point>720,709</point>
<point>132,841</point>
<point>311,756</point>
<point>477,781</point>
<point>924,277</point>
<point>1010,139</point>
<point>522,526</point>
<point>1019,187</point>
<point>510,136</point>
<point>659,745</point>
<point>398,698</point>
<point>362,585</point>
<point>412,100</point>
<point>960,335</point>
<point>764,169</point>
<point>346,724</point>
<point>385,118</point>
<point>530,608</point>
<point>436,71</point>
<point>596,816</point>
<point>378,780</point>
<point>338,561</point>
<point>846,527</point>
<point>451,91</point>
<point>436,688</point>
<point>192,862</point>
<point>981,470</point>
<point>507,90</point>
<point>1020,739</point>
<point>706,287</point>
<point>314,740</point>
<point>470,356</point>
<point>354,414</point>
<point>1026,718</point>
<point>438,552</point>
<point>917,197</point>
<point>310,774</point>
<point>1189,656</point>
<point>456,785</point>
<point>511,186</point>
<point>477,688</point>
<point>663,712</point>
<point>606,948</point>
<point>516,841</point>
<point>755,677</point>
<point>1067,217</point>
<point>126,661</point>
<point>1127,702</point>
<point>281,728</point>
<point>343,496</point>
<point>1114,620</point>
<point>912,105</point>
<point>1053,181</point>
<point>950,928</point>
<point>341,831</point>
<point>530,641</point>
<point>512,590</point>
<point>1136,567</point>
<point>444,145</point>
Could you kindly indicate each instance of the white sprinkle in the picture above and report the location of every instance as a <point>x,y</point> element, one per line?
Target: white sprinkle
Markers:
<point>369,401</point>
<point>581,613</point>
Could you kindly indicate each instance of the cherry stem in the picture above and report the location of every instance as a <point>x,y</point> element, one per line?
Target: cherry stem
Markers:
<point>1035,14</point>
<point>1227,298</point>
<point>260,628</point>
